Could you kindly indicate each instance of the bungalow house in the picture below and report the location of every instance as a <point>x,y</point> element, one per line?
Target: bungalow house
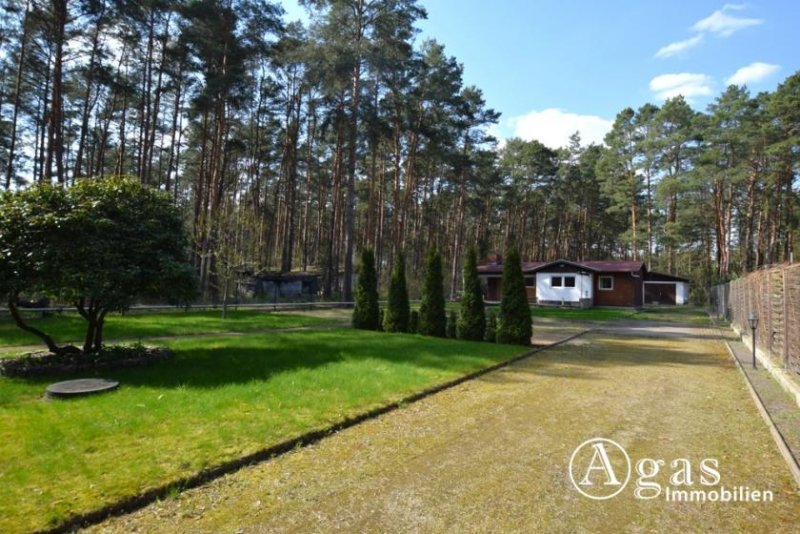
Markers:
<point>589,283</point>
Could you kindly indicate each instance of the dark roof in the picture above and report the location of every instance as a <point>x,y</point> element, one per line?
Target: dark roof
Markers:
<point>664,277</point>
<point>607,266</point>
<point>275,276</point>
<point>615,266</point>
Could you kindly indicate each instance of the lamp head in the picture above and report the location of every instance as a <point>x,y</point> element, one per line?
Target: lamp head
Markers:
<point>753,320</point>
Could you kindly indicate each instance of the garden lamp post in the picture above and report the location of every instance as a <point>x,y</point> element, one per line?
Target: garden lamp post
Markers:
<point>753,320</point>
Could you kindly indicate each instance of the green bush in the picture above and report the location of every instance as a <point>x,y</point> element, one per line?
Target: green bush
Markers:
<point>452,321</point>
<point>515,316</point>
<point>398,309</point>
<point>432,319</point>
<point>366,314</point>
<point>491,328</point>
<point>472,319</point>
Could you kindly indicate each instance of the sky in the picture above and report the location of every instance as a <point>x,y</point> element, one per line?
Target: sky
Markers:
<point>552,67</point>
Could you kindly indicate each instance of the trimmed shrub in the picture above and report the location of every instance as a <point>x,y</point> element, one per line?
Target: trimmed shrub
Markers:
<point>366,312</point>
<point>514,323</point>
<point>413,322</point>
<point>472,319</point>
<point>491,328</point>
<point>397,310</point>
<point>452,321</point>
<point>432,319</point>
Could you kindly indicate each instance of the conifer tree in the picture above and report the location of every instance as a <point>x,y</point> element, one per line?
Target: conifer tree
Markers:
<point>432,319</point>
<point>365,312</point>
<point>515,317</point>
<point>452,321</point>
<point>413,322</point>
<point>398,310</point>
<point>491,328</point>
<point>472,320</point>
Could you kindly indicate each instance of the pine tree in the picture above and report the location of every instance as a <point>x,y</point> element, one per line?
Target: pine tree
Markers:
<point>432,319</point>
<point>365,312</point>
<point>515,316</point>
<point>472,320</point>
<point>398,309</point>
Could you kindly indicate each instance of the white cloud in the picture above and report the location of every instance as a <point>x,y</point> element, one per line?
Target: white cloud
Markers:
<point>553,127</point>
<point>496,131</point>
<point>722,23</point>
<point>687,84</point>
<point>753,73</point>
<point>679,46</point>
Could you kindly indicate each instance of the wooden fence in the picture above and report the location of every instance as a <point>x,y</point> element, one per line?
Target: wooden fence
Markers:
<point>774,295</point>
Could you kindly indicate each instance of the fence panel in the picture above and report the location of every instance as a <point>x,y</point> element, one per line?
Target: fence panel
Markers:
<point>774,295</point>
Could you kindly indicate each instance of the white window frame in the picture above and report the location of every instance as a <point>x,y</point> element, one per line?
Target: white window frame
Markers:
<point>600,283</point>
<point>560,281</point>
<point>574,281</point>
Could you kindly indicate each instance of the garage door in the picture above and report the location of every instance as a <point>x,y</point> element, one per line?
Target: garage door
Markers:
<point>659,293</point>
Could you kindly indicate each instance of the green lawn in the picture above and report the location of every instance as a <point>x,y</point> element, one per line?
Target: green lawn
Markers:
<point>587,314</point>
<point>675,314</point>
<point>71,327</point>
<point>219,399</point>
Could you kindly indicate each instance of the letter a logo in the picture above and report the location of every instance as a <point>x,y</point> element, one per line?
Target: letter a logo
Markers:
<point>596,463</point>
<point>600,462</point>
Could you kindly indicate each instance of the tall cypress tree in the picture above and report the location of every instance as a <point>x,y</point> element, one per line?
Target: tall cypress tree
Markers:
<point>432,318</point>
<point>366,312</point>
<point>472,320</point>
<point>398,310</point>
<point>515,315</point>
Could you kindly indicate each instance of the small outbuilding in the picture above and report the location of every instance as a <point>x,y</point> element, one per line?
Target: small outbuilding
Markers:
<point>660,288</point>
<point>588,283</point>
<point>275,286</point>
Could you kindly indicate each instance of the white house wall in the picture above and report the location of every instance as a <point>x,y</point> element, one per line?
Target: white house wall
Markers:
<point>681,293</point>
<point>546,292</point>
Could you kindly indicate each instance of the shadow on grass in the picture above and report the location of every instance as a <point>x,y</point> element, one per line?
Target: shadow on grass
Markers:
<point>220,361</point>
<point>659,331</point>
<point>579,361</point>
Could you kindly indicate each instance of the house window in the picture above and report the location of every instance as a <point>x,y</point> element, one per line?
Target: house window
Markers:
<point>555,281</point>
<point>569,281</point>
<point>530,281</point>
<point>606,283</point>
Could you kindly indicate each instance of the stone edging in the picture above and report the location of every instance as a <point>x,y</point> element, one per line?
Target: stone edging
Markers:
<point>136,502</point>
<point>780,441</point>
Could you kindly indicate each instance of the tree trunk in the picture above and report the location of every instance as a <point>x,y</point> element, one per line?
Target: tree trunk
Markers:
<point>55,130</point>
<point>23,44</point>
<point>20,322</point>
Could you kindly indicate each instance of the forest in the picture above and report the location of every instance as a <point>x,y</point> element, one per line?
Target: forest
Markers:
<point>291,147</point>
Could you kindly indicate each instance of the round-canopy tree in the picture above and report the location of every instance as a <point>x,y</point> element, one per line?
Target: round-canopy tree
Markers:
<point>101,245</point>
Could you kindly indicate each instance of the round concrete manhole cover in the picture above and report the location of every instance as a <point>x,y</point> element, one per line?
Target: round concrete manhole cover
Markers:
<point>80,387</point>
